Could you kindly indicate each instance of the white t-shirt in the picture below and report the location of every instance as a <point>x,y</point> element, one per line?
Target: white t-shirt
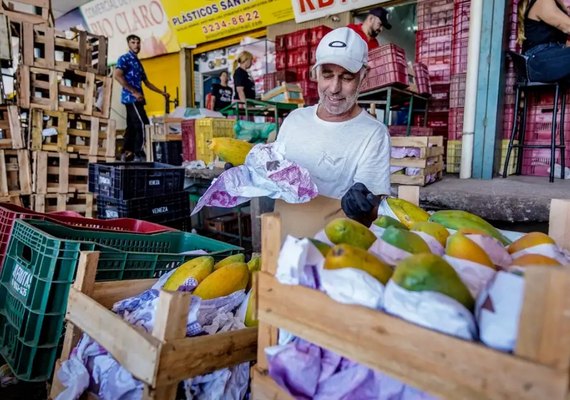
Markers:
<point>338,154</point>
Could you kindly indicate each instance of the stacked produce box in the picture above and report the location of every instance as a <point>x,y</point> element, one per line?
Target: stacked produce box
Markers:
<point>388,67</point>
<point>61,120</point>
<point>295,54</point>
<point>164,141</point>
<point>149,191</point>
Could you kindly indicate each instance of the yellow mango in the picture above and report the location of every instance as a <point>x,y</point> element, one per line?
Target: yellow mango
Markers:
<point>249,321</point>
<point>460,246</point>
<point>530,240</point>
<point>408,213</point>
<point>384,221</point>
<point>198,268</point>
<point>348,231</point>
<point>254,264</point>
<point>230,150</point>
<point>534,259</point>
<point>322,247</point>
<point>347,256</point>
<point>405,240</point>
<point>230,260</point>
<point>433,229</point>
<point>223,281</point>
<point>459,219</point>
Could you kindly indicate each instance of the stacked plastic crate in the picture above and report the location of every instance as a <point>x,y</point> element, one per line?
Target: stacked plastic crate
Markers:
<point>148,191</point>
<point>434,49</point>
<point>387,67</point>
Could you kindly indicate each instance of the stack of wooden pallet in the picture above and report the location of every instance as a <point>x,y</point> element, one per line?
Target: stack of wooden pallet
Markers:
<point>61,120</point>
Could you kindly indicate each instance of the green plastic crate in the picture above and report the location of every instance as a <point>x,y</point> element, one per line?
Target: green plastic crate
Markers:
<point>40,266</point>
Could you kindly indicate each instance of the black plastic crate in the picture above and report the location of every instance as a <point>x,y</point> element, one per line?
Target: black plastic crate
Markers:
<point>158,209</point>
<point>167,152</point>
<point>131,180</point>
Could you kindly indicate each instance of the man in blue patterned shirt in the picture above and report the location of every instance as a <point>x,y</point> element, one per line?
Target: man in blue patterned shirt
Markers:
<point>129,72</point>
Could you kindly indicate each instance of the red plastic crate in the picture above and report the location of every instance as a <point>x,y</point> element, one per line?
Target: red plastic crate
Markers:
<point>438,121</point>
<point>455,123</point>
<point>461,16</point>
<point>285,75</point>
<point>423,82</point>
<point>280,60</point>
<point>457,91</point>
<point>510,81</point>
<point>385,55</point>
<point>439,74</point>
<point>303,74</point>
<point>300,38</point>
<point>309,89</point>
<point>508,120</point>
<point>396,77</point>
<point>299,57</point>
<point>280,42</point>
<point>539,123</point>
<point>188,139</point>
<point>434,45</point>
<point>536,162</point>
<point>434,13</point>
<point>459,55</point>
<point>269,81</point>
<point>317,34</point>
<point>401,130</point>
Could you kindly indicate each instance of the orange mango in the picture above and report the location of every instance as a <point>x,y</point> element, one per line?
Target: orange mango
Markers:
<point>530,240</point>
<point>460,246</point>
<point>534,260</point>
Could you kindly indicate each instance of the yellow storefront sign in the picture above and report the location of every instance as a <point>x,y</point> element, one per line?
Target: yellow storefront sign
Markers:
<point>200,21</point>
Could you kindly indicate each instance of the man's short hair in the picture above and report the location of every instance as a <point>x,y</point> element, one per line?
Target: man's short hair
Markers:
<point>133,37</point>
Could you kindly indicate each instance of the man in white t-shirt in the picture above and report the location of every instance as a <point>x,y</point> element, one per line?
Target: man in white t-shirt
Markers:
<point>346,151</point>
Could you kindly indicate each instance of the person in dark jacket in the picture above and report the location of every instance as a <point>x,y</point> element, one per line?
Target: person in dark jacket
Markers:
<point>243,83</point>
<point>221,92</point>
<point>544,26</point>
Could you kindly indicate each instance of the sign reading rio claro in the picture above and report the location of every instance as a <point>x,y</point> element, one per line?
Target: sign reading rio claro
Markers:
<point>200,21</point>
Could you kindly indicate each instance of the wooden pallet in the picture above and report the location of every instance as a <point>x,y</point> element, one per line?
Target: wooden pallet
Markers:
<point>79,202</point>
<point>441,365</point>
<point>18,11</point>
<point>76,133</point>
<point>15,177</point>
<point>430,160</point>
<point>160,360</point>
<point>61,172</point>
<point>45,47</point>
<point>11,136</point>
<point>73,91</point>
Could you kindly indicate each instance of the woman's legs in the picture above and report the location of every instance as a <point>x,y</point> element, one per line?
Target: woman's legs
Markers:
<point>551,64</point>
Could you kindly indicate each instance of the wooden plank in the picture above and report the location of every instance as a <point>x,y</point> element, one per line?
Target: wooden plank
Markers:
<point>94,136</point>
<point>108,293</point>
<point>5,39</point>
<point>439,364</point>
<point>63,173</point>
<point>40,178</point>
<point>24,172</point>
<point>3,173</point>
<point>133,348</point>
<point>110,148</point>
<point>559,227</point>
<point>409,193</point>
<point>182,358</point>
<point>23,87</point>
<point>545,318</point>
<point>264,388</point>
<point>16,133</point>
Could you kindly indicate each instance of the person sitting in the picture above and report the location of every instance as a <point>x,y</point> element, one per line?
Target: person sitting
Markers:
<point>543,29</point>
<point>373,25</point>
<point>221,92</point>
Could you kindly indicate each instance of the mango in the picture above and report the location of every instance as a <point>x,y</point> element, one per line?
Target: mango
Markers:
<point>230,150</point>
<point>530,240</point>
<point>384,221</point>
<point>254,264</point>
<point>347,256</point>
<point>249,320</point>
<point>322,247</point>
<point>408,213</point>
<point>198,268</point>
<point>347,231</point>
<point>534,260</point>
<point>223,281</point>
<point>458,219</point>
<point>460,246</point>
<point>430,272</point>
<point>433,229</point>
<point>229,260</point>
<point>405,240</point>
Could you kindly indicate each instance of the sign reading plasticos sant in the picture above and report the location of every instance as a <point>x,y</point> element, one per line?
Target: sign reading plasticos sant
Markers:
<point>306,10</point>
<point>200,21</point>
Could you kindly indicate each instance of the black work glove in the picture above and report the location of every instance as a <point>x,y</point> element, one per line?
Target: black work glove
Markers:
<point>228,166</point>
<point>360,204</point>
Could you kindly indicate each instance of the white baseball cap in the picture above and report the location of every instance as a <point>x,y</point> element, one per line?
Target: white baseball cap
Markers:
<point>342,46</point>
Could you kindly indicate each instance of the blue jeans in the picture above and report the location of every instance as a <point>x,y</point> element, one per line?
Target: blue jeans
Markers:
<point>548,63</point>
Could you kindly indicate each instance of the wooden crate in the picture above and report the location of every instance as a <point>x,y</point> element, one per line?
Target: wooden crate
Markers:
<point>87,135</point>
<point>15,176</point>
<point>79,202</point>
<point>18,11</point>
<point>73,91</point>
<point>442,365</point>
<point>61,172</point>
<point>92,52</point>
<point>430,160</point>
<point>286,93</point>
<point>11,136</point>
<point>160,360</point>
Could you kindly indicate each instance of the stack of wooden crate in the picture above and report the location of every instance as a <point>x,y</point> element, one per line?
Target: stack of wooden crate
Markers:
<point>63,107</point>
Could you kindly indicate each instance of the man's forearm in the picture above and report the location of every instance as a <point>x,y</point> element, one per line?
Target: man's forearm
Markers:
<point>153,88</point>
<point>121,79</point>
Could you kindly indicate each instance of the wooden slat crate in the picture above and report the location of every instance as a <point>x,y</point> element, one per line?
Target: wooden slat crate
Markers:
<point>15,176</point>
<point>441,365</point>
<point>11,135</point>
<point>73,91</point>
<point>79,202</point>
<point>162,359</point>
<point>430,160</point>
<point>76,133</point>
<point>18,11</point>
<point>61,172</point>
<point>92,52</point>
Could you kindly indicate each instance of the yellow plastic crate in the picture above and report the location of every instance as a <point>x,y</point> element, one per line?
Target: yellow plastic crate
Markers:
<point>207,129</point>
<point>514,156</point>
<point>453,159</point>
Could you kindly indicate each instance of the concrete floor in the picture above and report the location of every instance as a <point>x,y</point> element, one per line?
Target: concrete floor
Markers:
<point>514,199</point>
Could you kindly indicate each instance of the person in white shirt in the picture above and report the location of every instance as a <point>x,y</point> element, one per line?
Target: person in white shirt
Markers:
<point>346,151</point>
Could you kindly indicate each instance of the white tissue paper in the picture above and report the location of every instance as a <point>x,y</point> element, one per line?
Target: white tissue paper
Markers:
<point>498,311</point>
<point>430,309</point>
<point>547,249</point>
<point>433,244</point>
<point>494,249</point>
